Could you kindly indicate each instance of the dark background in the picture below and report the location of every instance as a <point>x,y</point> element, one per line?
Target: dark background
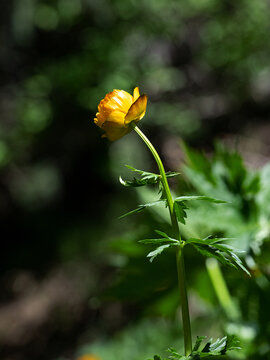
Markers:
<point>205,68</point>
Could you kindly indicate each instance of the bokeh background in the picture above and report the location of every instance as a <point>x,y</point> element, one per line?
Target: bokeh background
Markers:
<point>73,278</point>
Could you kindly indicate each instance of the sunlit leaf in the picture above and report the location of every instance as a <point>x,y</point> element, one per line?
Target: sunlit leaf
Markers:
<point>141,208</point>
<point>179,209</point>
<point>157,251</point>
<point>203,198</point>
<point>222,252</point>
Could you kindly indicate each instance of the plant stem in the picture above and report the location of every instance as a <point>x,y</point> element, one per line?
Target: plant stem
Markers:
<point>179,254</point>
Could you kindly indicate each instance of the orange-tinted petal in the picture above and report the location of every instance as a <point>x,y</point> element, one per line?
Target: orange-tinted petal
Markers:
<point>136,93</point>
<point>99,120</point>
<point>120,99</point>
<point>118,117</point>
<point>88,357</point>
<point>114,131</point>
<point>137,110</point>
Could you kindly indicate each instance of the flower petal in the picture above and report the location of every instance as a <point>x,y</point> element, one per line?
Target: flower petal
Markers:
<point>122,99</point>
<point>136,93</point>
<point>114,131</point>
<point>118,117</point>
<point>137,110</point>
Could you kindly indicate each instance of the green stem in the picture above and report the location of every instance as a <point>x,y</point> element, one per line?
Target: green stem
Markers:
<point>179,253</point>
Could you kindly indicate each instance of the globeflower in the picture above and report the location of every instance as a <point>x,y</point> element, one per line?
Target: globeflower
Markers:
<point>88,357</point>
<point>119,111</point>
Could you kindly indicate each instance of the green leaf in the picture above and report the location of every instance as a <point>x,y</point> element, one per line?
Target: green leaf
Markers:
<point>165,238</point>
<point>222,252</point>
<point>179,209</point>
<point>211,252</point>
<point>175,354</point>
<point>146,178</point>
<point>216,349</point>
<point>139,182</point>
<point>141,208</point>
<point>198,342</point>
<point>158,241</point>
<point>212,350</point>
<point>207,241</point>
<point>170,174</point>
<point>219,345</point>
<point>180,206</point>
<point>204,198</point>
<point>161,233</point>
<point>232,343</point>
<point>157,251</point>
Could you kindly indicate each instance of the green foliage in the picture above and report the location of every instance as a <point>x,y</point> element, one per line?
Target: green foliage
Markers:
<point>180,205</point>
<point>142,207</point>
<point>218,48</point>
<point>137,341</point>
<point>222,252</point>
<point>180,208</point>
<point>165,239</point>
<point>212,350</point>
<point>157,251</point>
<point>147,178</point>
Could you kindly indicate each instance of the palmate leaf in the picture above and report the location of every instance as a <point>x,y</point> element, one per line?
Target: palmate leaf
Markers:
<point>224,253</point>
<point>142,207</point>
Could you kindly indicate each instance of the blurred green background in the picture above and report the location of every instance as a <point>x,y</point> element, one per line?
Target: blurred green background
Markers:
<point>73,278</point>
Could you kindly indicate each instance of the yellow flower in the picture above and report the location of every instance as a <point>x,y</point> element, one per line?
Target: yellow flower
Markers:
<point>118,110</point>
<point>88,357</point>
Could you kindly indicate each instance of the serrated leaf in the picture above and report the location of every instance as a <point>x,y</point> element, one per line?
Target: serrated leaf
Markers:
<point>165,239</point>
<point>170,174</point>
<point>207,241</point>
<point>161,233</point>
<point>157,251</point>
<point>232,343</point>
<point>219,345</point>
<point>211,252</point>
<point>203,198</point>
<point>212,350</point>
<point>141,208</point>
<point>149,180</point>
<point>239,263</point>
<point>175,354</point>
<point>222,252</point>
<point>179,209</point>
<point>141,172</point>
<point>158,241</point>
<point>198,342</point>
<point>206,348</point>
